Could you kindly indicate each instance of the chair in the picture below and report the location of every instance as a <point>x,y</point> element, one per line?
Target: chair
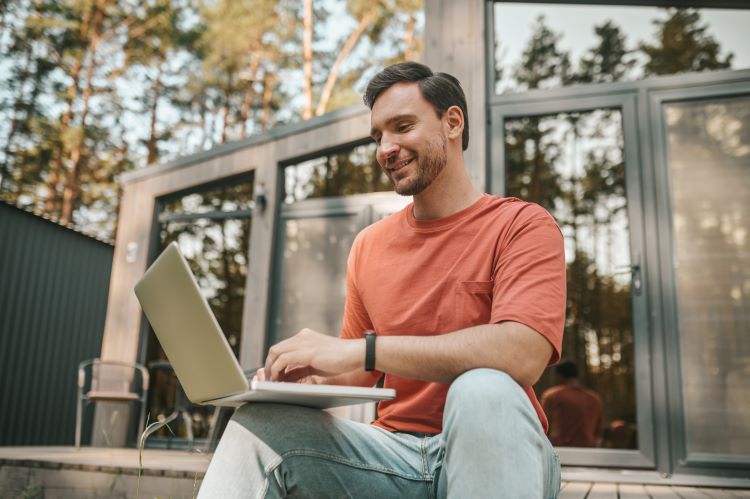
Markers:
<point>111,381</point>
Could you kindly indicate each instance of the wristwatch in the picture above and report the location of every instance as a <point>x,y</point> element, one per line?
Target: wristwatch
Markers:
<point>369,351</point>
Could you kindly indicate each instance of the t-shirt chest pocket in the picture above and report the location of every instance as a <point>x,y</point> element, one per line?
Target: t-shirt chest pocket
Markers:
<point>473,302</point>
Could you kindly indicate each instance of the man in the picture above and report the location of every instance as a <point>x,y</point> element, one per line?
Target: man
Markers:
<point>576,415</point>
<point>466,294</point>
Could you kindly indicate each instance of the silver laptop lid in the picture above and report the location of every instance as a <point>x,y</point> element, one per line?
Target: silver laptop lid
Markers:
<point>187,329</point>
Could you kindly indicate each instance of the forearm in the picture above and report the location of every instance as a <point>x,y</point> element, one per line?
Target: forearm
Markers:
<point>510,347</point>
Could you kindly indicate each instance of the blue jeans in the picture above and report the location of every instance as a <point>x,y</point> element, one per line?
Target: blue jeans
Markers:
<point>492,445</point>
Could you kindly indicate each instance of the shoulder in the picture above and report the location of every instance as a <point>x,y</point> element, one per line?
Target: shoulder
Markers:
<point>551,392</point>
<point>518,212</point>
<point>594,395</point>
<point>514,220</point>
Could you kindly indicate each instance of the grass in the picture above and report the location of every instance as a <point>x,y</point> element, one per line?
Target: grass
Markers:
<point>150,429</point>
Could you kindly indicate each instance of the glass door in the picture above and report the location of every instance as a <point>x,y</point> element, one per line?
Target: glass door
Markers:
<point>702,161</point>
<point>578,157</point>
<point>314,239</point>
<point>315,236</point>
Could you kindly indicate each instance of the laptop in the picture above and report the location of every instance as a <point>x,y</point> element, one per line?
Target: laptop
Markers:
<point>200,354</point>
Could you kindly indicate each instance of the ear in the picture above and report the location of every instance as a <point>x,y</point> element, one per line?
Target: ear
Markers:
<point>453,118</point>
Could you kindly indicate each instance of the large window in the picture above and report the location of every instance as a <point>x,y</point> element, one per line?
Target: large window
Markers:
<point>321,213</point>
<point>573,164</point>
<point>348,171</point>
<point>211,225</point>
<point>708,155</point>
<point>539,45</point>
<point>326,201</point>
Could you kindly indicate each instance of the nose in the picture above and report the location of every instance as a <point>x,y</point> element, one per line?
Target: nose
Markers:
<point>387,149</point>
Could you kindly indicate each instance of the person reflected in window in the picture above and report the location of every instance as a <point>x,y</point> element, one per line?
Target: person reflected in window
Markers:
<point>576,414</point>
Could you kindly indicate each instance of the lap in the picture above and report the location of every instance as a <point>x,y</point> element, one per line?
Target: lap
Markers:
<point>300,431</point>
<point>310,453</point>
<point>289,451</point>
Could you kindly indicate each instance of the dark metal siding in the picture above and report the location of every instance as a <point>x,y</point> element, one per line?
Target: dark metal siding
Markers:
<point>53,300</point>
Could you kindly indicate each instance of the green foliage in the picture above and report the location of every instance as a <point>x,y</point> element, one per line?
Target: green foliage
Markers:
<point>683,45</point>
<point>93,88</point>
<point>608,61</point>
<point>543,64</point>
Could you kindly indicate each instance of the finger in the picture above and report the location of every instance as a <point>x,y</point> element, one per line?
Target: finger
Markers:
<point>276,350</point>
<point>298,373</point>
<point>260,375</point>
<point>279,365</point>
<point>273,355</point>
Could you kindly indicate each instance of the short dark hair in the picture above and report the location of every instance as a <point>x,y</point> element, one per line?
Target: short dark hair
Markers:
<point>567,369</point>
<point>439,89</point>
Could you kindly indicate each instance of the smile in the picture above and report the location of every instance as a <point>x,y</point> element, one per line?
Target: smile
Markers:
<point>400,164</point>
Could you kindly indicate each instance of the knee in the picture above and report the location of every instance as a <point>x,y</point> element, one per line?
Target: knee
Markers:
<point>482,393</point>
<point>480,385</point>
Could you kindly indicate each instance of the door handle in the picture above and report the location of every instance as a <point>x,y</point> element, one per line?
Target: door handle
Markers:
<point>635,274</point>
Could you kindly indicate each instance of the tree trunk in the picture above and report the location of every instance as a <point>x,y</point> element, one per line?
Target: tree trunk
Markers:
<point>51,204</point>
<point>73,183</point>
<point>153,138</point>
<point>55,166</point>
<point>348,46</point>
<point>409,39</point>
<point>6,165</point>
<point>250,94</point>
<point>268,83</point>
<point>225,116</point>
<point>307,57</point>
<point>207,123</point>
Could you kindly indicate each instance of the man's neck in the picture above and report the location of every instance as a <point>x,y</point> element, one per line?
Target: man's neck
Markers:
<point>451,192</point>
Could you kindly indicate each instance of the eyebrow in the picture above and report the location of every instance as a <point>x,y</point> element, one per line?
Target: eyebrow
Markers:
<point>389,121</point>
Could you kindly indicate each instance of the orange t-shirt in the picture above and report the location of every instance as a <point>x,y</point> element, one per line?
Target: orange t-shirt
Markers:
<point>500,259</point>
<point>576,416</point>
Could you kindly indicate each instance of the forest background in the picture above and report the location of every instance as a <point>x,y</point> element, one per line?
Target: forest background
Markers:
<point>90,89</point>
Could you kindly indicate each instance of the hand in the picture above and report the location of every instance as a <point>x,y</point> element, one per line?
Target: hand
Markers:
<point>309,353</point>
<point>293,375</point>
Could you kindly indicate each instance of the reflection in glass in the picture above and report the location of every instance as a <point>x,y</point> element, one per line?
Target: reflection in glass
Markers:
<point>217,253</point>
<point>216,249</point>
<point>344,173</point>
<point>551,45</point>
<point>226,197</point>
<point>313,280</point>
<point>573,165</point>
<point>708,151</point>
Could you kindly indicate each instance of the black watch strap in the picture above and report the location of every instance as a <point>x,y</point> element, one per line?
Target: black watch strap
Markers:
<point>369,351</point>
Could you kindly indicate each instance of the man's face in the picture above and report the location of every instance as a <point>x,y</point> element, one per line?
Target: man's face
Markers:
<point>411,143</point>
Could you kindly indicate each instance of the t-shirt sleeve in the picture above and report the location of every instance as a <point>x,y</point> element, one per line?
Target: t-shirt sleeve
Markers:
<point>529,277</point>
<point>356,320</point>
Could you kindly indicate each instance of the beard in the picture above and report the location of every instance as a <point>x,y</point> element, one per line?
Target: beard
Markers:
<point>430,163</point>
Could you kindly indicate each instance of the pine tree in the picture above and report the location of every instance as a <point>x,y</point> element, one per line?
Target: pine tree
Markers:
<point>543,64</point>
<point>684,45</point>
<point>609,60</point>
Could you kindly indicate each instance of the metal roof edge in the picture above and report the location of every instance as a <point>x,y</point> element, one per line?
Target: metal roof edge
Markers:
<point>47,218</point>
<point>275,133</point>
